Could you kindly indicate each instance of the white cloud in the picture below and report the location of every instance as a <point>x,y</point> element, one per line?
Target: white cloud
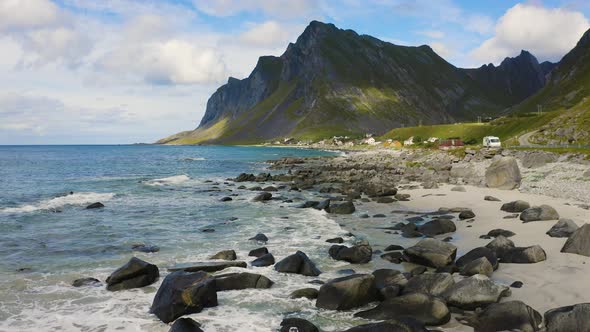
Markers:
<point>27,14</point>
<point>479,23</point>
<point>548,33</point>
<point>442,49</point>
<point>269,33</point>
<point>435,34</point>
<point>276,8</point>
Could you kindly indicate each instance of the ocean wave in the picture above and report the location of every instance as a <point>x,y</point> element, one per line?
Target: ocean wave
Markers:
<point>193,159</point>
<point>167,181</point>
<point>57,203</point>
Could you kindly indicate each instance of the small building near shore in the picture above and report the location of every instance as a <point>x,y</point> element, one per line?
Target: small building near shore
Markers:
<point>451,143</point>
<point>409,141</point>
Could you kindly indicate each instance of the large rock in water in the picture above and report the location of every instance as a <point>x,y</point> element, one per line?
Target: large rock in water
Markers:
<point>505,316</point>
<point>185,325</point>
<point>538,213</point>
<point>578,242</point>
<point>474,292</point>
<point>503,174</point>
<point>231,281</point>
<point>341,208</point>
<point>524,255</point>
<point>227,255</point>
<point>298,325</point>
<point>183,293</point>
<point>425,308</point>
<point>432,252</point>
<point>570,318</point>
<point>135,274</point>
<point>360,254</point>
<point>265,260</point>
<point>429,283</point>
<point>347,292</point>
<point>403,324</point>
<point>207,266</point>
<point>437,227</point>
<point>298,263</point>
<point>563,228</point>
<point>515,206</point>
<point>477,253</point>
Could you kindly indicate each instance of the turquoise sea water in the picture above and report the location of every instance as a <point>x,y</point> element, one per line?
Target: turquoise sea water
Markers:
<point>156,195</point>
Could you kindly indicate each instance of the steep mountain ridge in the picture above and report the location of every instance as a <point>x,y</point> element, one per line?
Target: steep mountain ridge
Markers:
<point>337,82</point>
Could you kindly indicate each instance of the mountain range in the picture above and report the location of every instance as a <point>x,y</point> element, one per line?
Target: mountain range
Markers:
<point>336,82</point>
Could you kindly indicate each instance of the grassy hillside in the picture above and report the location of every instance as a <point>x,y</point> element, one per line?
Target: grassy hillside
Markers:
<point>507,128</point>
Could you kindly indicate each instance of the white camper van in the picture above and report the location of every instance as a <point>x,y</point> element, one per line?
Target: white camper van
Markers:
<point>491,142</point>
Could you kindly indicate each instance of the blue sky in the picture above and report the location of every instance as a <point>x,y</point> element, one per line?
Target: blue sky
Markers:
<point>124,71</point>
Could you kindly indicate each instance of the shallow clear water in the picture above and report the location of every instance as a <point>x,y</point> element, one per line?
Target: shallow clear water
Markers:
<point>156,195</point>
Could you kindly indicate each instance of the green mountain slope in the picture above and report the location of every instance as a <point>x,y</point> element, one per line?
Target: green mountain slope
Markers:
<point>336,82</point>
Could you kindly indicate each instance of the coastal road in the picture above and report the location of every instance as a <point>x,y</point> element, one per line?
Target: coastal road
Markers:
<point>523,140</point>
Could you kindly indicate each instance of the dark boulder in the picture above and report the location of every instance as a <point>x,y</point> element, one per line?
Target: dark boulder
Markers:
<point>505,316</point>
<point>429,283</point>
<point>515,206</point>
<point>570,318</point>
<point>347,292</point>
<point>308,293</point>
<point>298,263</point>
<point>473,292</point>
<point>478,253</point>
<point>207,266</point>
<point>395,257</point>
<point>185,325</point>
<point>478,266</point>
<point>258,252</point>
<point>259,238</point>
<point>297,325</point>
<point>335,240</point>
<point>341,208</point>
<point>524,255</point>
<point>563,228</point>
<point>265,260</point>
<point>432,252</point>
<point>422,307</point>
<point>183,293</point>
<point>500,245</point>
<point>360,254</point>
<point>228,255</point>
<point>145,248</point>
<point>245,178</point>
<point>97,205</point>
<point>394,247</point>
<point>538,213</point>
<point>226,199</point>
<point>243,280</point>
<point>578,242</point>
<point>135,274</point>
<point>500,232</point>
<point>265,196</point>
<point>437,227</point>
<point>86,282</point>
<point>402,324</point>
<point>389,277</point>
<point>491,199</point>
<point>467,214</point>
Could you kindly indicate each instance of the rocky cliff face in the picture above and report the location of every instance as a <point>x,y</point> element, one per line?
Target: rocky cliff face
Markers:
<point>336,82</point>
<point>515,79</point>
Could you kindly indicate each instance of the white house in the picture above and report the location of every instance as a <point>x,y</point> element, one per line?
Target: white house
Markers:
<point>409,141</point>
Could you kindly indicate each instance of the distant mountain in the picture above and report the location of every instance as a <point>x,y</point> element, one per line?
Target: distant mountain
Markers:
<point>336,82</point>
<point>514,79</point>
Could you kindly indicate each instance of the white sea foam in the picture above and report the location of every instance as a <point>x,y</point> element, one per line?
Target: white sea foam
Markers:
<point>57,203</point>
<point>193,159</point>
<point>168,181</point>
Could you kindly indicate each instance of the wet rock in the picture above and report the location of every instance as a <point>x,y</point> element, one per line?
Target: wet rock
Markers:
<point>208,230</point>
<point>385,200</point>
<point>243,177</point>
<point>264,260</point>
<point>323,205</point>
<point>424,308</point>
<point>491,199</point>
<point>228,255</point>
<point>135,274</point>
<point>385,278</point>
<point>308,293</point>
<point>515,206</point>
<point>347,292</point>
<point>402,197</point>
<point>503,174</point>
<point>185,325</point>
<point>145,248</point>
<point>243,280</point>
<point>432,252</point>
<point>516,284</point>
<point>429,283</point>
<point>394,247</point>
<point>97,205</point>
<point>500,245</point>
<point>474,292</point>
<point>563,228</point>
<point>259,238</point>
<point>437,227</point>
<point>359,254</point>
<point>335,240</point>
<point>578,242</point>
<point>258,252</point>
<point>524,255</point>
<point>341,208</point>
<point>418,270</point>
<point>569,318</point>
<point>537,213</point>
<point>505,316</point>
<point>226,199</point>
<point>478,266</point>
<point>265,196</point>
<point>86,282</point>
<point>270,188</point>
<point>298,263</point>
<point>183,293</point>
<point>466,215</point>
<point>476,253</point>
<point>297,325</point>
<point>379,215</point>
<point>500,232</point>
<point>403,324</point>
<point>394,257</point>
<point>207,266</point>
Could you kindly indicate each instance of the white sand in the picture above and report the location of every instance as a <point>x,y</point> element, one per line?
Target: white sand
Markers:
<point>563,279</point>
